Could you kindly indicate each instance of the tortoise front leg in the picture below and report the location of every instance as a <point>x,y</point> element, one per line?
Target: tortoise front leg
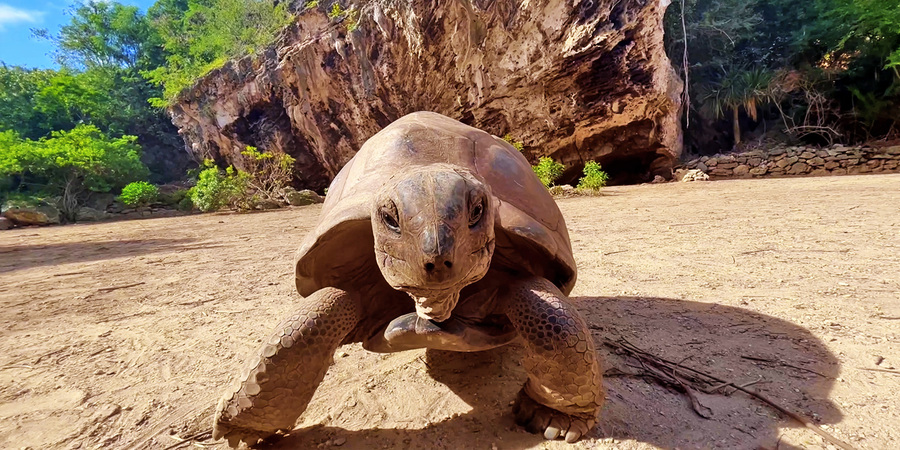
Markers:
<point>564,391</point>
<point>277,383</point>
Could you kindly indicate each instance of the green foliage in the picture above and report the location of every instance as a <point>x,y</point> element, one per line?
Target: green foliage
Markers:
<point>106,34</point>
<point>311,4</point>
<point>548,170</point>
<point>336,11</point>
<point>201,35</point>
<point>518,145</point>
<point>352,19</point>
<point>73,163</point>
<point>268,173</point>
<point>594,177</point>
<point>139,194</point>
<point>854,45</point>
<point>218,189</point>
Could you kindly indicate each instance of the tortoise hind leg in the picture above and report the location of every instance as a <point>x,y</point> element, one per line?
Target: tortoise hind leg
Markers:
<point>564,391</point>
<point>276,384</point>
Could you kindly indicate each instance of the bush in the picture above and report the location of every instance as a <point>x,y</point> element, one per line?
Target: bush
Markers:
<point>139,194</point>
<point>72,164</point>
<point>594,177</point>
<point>216,190</point>
<point>548,170</point>
<point>268,173</point>
<point>518,145</point>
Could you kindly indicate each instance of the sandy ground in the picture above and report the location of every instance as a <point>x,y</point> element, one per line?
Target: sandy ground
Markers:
<point>123,335</point>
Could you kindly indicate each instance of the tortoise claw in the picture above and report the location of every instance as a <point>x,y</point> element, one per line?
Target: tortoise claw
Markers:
<point>553,424</point>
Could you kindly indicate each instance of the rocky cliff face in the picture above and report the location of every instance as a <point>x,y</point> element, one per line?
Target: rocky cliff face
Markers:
<point>575,80</point>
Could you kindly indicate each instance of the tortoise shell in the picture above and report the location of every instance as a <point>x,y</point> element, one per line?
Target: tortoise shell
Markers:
<point>531,234</point>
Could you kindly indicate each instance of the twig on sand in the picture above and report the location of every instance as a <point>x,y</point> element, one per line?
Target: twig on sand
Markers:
<point>69,273</point>
<point>187,440</point>
<point>660,370</point>
<point>613,253</point>
<point>113,288</point>
<point>772,361</point>
<point>895,372</point>
<point>16,366</point>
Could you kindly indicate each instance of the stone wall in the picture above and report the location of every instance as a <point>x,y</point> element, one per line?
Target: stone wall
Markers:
<point>785,161</point>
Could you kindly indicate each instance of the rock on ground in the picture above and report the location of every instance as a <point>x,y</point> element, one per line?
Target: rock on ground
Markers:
<point>39,215</point>
<point>589,81</point>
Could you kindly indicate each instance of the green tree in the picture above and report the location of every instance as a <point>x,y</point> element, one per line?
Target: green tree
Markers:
<point>71,164</point>
<point>201,35</point>
<point>109,35</point>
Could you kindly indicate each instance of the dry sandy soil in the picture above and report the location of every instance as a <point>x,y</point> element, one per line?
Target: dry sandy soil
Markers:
<point>123,335</point>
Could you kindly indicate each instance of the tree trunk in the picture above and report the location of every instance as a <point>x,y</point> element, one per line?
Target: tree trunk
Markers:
<point>737,127</point>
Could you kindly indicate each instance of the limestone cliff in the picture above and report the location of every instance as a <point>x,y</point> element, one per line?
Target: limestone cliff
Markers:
<point>575,80</point>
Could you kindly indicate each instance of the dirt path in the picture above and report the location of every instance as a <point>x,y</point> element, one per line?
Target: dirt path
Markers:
<point>115,335</point>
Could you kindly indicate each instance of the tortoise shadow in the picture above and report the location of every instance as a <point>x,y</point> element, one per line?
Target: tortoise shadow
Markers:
<point>730,343</point>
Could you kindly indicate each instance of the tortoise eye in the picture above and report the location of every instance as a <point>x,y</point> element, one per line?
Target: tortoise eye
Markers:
<point>476,213</point>
<point>389,219</point>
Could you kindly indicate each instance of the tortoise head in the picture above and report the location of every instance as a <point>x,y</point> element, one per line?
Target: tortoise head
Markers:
<point>434,235</point>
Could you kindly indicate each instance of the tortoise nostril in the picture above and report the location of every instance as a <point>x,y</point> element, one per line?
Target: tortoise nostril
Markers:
<point>448,264</point>
<point>429,267</point>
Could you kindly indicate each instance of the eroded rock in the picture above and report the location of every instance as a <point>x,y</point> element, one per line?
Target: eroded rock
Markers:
<point>581,82</point>
<point>39,215</point>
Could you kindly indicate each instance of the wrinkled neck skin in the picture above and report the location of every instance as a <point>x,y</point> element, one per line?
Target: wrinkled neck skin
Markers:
<point>434,235</point>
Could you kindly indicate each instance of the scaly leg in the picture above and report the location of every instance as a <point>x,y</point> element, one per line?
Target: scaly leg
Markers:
<point>277,383</point>
<point>564,391</point>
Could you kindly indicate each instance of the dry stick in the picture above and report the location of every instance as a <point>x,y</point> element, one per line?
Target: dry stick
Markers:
<point>113,288</point>
<point>189,439</point>
<point>69,273</point>
<point>16,366</point>
<point>772,361</point>
<point>895,372</point>
<point>629,347</point>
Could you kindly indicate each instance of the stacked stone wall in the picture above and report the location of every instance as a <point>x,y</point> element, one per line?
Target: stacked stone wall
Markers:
<point>789,161</point>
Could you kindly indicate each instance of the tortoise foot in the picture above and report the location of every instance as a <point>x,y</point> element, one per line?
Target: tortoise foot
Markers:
<point>553,424</point>
<point>250,438</point>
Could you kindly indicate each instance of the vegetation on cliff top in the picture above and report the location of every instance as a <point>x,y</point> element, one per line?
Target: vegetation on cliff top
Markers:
<point>822,71</point>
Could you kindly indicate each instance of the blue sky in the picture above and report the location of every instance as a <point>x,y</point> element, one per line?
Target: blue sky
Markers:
<point>18,17</point>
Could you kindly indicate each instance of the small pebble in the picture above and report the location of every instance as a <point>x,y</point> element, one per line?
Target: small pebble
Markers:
<point>340,441</point>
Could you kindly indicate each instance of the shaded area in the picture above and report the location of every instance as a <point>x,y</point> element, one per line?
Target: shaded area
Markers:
<point>717,339</point>
<point>19,257</point>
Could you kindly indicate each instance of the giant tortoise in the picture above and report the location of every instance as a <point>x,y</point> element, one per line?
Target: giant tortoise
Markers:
<point>435,235</point>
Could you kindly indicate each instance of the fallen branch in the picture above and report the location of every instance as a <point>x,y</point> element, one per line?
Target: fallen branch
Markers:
<point>124,286</point>
<point>659,365</point>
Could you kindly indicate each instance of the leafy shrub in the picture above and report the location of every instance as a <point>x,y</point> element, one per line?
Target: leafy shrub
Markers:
<point>216,190</point>
<point>71,164</point>
<point>268,173</point>
<point>594,177</point>
<point>518,145</point>
<point>336,11</point>
<point>138,194</point>
<point>548,170</point>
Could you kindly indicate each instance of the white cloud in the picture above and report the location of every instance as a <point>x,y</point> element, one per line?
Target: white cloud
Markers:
<point>11,15</point>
